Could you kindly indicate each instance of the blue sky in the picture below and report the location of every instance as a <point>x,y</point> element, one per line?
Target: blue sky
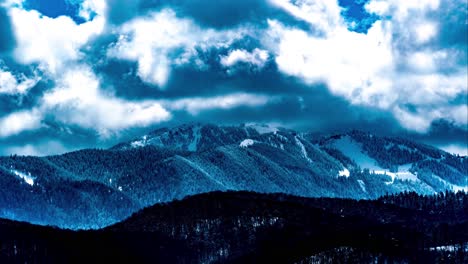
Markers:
<point>91,73</point>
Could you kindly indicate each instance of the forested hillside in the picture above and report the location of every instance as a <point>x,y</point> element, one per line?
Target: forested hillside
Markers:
<point>245,227</point>
<point>95,188</point>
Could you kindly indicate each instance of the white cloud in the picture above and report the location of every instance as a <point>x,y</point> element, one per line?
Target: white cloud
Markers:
<point>378,7</point>
<point>257,57</point>
<point>322,15</point>
<point>396,66</point>
<point>425,31</point>
<point>10,84</point>
<point>425,61</point>
<point>90,7</point>
<point>41,149</point>
<point>455,149</point>
<point>150,41</point>
<point>51,42</point>
<point>18,122</point>
<point>11,3</point>
<point>78,100</point>
<point>354,65</point>
<point>397,63</point>
<point>401,9</point>
<point>197,104</point>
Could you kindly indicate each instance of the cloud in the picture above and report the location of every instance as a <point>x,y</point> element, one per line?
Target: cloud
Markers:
<point>50,42</point>
<point>455,149</point>
<point>350,63</point>
<point>223,14</point>
<point>114,67</point>
<point>10,84</point>
<point>90,8</point>
<point>17,122</point>
<point>257,57</point>
<point>323,15</point>
<point>196,105</point>
<point>161,40</point>
<point>51,147</point>
<point>78,100</point>
<point>378,69</point>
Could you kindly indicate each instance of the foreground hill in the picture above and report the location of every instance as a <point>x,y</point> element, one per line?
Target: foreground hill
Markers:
<point>105,186</point>
<point>243,227</point>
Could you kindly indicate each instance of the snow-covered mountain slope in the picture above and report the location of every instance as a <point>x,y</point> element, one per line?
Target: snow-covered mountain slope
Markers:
<point>170,164</point>
<point>199,137</point>
<point>400,159</point>
<point>194,137</point>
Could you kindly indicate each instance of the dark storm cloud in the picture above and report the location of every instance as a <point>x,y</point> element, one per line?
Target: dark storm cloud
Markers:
<point>443,131</point>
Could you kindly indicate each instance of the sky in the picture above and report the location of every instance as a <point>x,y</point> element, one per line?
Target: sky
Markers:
<point>91,73</point>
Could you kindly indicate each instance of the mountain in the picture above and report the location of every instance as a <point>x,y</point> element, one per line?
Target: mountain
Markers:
<point>197,137</point>
<point>245,227</point>
<point>95,188</point>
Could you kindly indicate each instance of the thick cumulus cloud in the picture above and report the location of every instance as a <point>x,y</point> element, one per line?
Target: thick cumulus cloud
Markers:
<point>160,41</point>
<point>399,65</point>
<point>100,71</point>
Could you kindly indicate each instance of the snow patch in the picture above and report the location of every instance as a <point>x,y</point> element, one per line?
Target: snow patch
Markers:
<point>362,185</point>
<point>196,167</point>
<point>246,143</point>
<point>303,149</point>
<point>26,177</point>
<point>263,129</point>
<point>451,248</point>
<point>455,188</point>
<point>344,173</point>
<point>196,138</point>
<point>354,151</point>
<point>404,175</point>
<point>140,143</point>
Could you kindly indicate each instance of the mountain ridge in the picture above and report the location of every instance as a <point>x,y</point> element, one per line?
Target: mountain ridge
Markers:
<point>190,159</point>
<point>248,227</point>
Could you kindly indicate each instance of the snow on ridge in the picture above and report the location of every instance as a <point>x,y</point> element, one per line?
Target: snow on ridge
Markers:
<point>197,167</point>
<point>404,175</point>
<point>362,185</point>
<point>451,248</point>
<point>457,188</point>
<point>140,143</point>
<point>196,138</point>
<point>303,150</point>
<point>344,173</point>
<point>246,143</point>
<point>353,150</point>
<point>26,177</point>
<point>263,129</point>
